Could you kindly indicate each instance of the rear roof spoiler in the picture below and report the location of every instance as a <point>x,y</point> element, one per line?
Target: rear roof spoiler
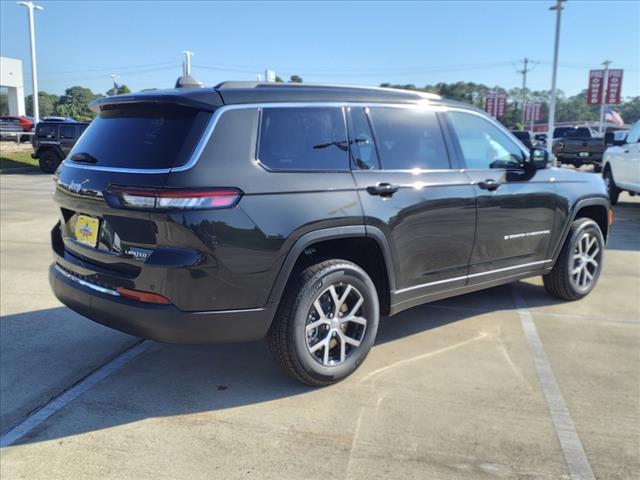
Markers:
<point>200,98</point>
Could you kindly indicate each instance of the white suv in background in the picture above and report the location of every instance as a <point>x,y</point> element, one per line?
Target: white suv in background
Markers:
<point>621,165</point>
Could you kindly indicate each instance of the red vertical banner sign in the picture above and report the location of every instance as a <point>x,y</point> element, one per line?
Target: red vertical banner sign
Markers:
<point>536,111</point>
<point>490,104</point>
<point>501,104</point>
<point>614,87</point>
<point>596,80</point>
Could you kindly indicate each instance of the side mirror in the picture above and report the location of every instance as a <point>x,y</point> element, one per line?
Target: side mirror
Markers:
<point>539,157</point>
<point>609,138</point>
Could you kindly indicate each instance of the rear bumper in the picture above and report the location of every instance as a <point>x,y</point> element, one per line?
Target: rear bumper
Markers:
<point>593,158</point>
<point>164,323</point>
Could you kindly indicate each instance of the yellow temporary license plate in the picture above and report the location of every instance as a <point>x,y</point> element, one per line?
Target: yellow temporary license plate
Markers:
<point>87,230</point>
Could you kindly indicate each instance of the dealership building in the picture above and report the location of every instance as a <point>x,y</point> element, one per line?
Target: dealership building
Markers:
<point>11,79</point>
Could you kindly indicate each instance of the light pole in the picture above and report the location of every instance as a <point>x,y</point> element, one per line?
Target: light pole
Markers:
<point>34,72</point>
<point>114,78</point>
<point>605,83</point>
<point>552,101</point>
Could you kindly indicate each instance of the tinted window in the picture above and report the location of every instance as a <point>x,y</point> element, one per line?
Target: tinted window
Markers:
<point>67,131</point>
<point>303,139</point>
<point>408,138</point>
<point>143,136</point>
<point>580,132</point>
<point>47,131</point>
<point>363,148</point>
<point>483,144</point>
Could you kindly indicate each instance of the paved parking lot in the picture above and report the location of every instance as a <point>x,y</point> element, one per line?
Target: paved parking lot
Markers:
<point>451,390</point>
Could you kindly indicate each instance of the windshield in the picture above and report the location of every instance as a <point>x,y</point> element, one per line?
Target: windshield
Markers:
<point>142,136</point>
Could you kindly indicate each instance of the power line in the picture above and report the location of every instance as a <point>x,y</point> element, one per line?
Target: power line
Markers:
<point>106,69</point>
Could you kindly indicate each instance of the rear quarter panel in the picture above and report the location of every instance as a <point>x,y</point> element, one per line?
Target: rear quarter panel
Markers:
<point>279,207</point>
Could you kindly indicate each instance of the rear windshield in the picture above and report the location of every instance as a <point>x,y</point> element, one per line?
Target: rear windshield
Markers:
<point>143,136</point>
<point>581,132</point>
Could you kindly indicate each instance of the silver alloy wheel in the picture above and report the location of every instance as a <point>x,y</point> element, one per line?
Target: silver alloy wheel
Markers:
<point>585,261</point>
<point>335,326</point>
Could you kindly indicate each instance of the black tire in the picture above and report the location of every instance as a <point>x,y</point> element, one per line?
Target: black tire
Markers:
<point>597,167</point>
<point>612,189</point>
<point>561,282</point>
<point>49,161</point>
<point>289,340</point>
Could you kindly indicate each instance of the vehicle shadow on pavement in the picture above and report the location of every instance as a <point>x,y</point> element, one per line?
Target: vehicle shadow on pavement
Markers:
<point>625,228</point>
<point>176,380</point>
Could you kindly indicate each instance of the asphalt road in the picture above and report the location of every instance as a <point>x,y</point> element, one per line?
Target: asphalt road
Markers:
<point>452,390</point>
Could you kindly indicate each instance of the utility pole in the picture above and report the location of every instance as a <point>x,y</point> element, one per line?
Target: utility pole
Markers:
<point>34,72</point>
<point>605,84</point>
<point>524,86</point>
<point>554,74</point>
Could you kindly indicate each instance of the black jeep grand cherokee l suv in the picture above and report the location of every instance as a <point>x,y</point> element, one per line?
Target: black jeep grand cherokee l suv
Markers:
<point>304,213</point>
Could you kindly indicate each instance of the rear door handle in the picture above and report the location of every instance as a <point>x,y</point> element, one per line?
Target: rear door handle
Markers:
<point>383,189</point>
<point>489,184</point>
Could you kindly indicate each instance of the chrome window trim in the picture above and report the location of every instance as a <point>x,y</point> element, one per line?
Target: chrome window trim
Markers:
<point>473,275</point>
<point>217,114</point>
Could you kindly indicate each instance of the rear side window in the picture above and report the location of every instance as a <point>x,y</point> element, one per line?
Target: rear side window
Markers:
<point>67,131</point>
<point>47,131</point>
<point>310,138</point>
<point>143,136</point>
<point>409,138</point>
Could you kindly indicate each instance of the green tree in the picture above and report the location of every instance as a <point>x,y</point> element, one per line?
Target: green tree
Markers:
<point>46,104</point>
<point>113,91</point>
<point>279,79</point>
<point>630,110</point>
<point>295,79</point>
<point>75,103</point>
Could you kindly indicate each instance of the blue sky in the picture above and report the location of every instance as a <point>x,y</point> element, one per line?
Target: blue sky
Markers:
<point>83,43</point>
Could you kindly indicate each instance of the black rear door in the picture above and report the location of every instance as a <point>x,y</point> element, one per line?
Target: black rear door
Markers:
<point>408,189</point>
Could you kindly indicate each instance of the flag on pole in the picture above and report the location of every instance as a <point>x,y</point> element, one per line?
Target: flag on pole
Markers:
<point>610,115</point>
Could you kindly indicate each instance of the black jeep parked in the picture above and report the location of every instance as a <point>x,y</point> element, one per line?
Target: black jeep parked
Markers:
<point>305,213</point>
<point>53,140</point>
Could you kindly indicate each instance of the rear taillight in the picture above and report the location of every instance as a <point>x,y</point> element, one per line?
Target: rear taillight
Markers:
<point>170,199</point>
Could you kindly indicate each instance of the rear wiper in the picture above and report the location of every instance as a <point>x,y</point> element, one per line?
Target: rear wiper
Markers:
<point>83,157</point>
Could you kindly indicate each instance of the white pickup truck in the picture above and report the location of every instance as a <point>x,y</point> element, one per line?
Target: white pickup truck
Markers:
<point>621,165</point>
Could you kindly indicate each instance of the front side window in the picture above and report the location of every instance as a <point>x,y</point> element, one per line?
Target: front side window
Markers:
<point>308,138</point>
<point>409,138</point>
<point>484,145</point>
<point>363,148</point>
